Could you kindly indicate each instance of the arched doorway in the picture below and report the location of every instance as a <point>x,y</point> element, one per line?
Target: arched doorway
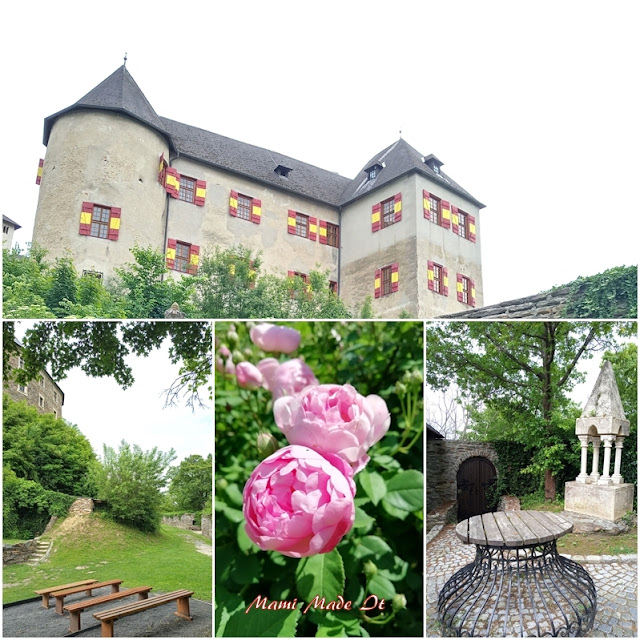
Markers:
<point>475,476</point>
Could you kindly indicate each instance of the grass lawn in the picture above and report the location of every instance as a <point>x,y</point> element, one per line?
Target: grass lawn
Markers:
<point>598,544</point>
<point>94,547</point>
<point>11,541</point>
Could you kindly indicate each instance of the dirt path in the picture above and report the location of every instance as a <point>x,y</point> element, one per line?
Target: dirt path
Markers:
<point>201,546</point>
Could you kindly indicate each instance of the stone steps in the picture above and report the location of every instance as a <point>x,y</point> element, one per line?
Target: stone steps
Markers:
<point>41,552</point>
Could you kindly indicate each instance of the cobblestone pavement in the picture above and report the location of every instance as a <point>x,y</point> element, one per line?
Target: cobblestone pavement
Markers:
<point>616,585</point>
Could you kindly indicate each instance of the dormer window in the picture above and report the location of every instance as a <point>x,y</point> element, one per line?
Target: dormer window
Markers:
<point>433,163</point>
<point>373,171</point>
<point>282,171</point>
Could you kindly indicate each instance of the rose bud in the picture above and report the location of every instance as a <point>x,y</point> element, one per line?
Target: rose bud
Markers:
<point>270,337</point>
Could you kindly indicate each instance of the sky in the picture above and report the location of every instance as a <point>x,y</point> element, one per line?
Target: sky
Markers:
<point>532,107</point>
<point>107,414</point>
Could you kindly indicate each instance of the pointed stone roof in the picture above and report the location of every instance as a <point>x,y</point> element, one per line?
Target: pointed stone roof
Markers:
<point>605,400</point>
<point>119,93</point>
<point>397,160</point>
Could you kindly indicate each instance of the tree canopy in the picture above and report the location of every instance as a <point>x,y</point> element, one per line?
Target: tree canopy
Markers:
<point>191,482</point>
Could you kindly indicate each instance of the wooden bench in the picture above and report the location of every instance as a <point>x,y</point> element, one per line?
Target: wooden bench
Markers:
<point>45,593</point>
<point>60,595</point>
<point>108,617</point>
<point>77,608</point>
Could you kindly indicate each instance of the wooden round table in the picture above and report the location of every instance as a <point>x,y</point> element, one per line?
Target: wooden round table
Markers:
<point>518,584</point>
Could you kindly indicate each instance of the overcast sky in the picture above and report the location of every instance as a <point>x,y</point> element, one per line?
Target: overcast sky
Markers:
<point>532,107</point>
<point>107,414</point>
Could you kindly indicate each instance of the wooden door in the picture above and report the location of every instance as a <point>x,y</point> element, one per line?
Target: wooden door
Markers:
<point>475,476</point>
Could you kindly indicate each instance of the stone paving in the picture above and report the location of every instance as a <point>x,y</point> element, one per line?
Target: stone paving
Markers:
<point>615,580</point>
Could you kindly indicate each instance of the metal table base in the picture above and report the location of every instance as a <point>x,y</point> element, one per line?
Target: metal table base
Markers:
<point>528,591</point>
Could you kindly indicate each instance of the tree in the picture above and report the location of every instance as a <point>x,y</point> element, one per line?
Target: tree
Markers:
<point>130,481</point>
<point>45,449</point>
<point>522,369</point>
<point>190,487</point>
<point>100,349</point>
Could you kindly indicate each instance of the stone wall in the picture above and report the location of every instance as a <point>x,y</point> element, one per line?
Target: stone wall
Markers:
<point>206,527</point>
<point>185,521</point>
<point>18,553</point>
<point>444,458</point>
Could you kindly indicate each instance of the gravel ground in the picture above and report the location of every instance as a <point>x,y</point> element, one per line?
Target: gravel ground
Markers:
<point>31,619</point>
<point>615,578</point>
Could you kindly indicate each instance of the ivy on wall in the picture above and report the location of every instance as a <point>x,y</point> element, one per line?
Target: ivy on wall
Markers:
<point>610,294</point>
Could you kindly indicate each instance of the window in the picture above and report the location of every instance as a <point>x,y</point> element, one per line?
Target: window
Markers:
<point>373,171</point>
<point>92,274</point>
<point>332,234</point>
<point>187,191</point>
<point>464,224</point>
<point>5,229</point>
<point>463,221</point>
<point>55,397</point>
<point>244,207</point>
<point>22,388</point>
<point>466,290</point>
<point>302,225</point>
<point>386,213</point>
<point>100,221</point>
<point>434,209</point>
<point>55,413</point>
<point>41,402</point>
<point>182,256</point>
<point>386,280</point>
<point>437,278</point>
<point>41,381</point>
<point>20,362</point>
<point>282,171</point>
<point>304,277</point>
<point>333,287</point>
<point>298,224</point>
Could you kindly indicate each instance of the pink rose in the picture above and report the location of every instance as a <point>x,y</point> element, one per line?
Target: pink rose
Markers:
<point>298,502</point>
<point>331,418</point>
<point>267,367</point>
<point>270,337</point>
<point>291,377</point>
<point>248,375</point>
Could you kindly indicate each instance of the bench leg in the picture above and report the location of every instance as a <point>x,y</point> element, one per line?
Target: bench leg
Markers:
<point>74,621</point>
<point>59,604</point>
<point>45,600</point>
<point>143,595</point>
<point>88,592</point>
<point>115,588</point>
<point>106,629</point>
<point>183,609</point>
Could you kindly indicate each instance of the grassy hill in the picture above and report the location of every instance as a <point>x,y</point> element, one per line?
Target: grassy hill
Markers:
<point>92,546</point>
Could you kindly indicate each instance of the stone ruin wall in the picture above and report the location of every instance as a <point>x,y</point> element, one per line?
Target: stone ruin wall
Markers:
<point>18,553</point>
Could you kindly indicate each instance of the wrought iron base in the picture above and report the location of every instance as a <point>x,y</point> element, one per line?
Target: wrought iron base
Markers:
<point>528,591</point>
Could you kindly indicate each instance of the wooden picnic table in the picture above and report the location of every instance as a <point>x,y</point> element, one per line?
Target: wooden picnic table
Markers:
<point>518,583</point>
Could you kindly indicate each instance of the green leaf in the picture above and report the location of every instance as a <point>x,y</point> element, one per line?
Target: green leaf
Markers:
<point>371,546</point>
<point>234,494</point>
<point>263,623</point>
<point>363,519</point>
<point>246,569</point>
<point>406,491</point>
<point>373,485</point>
<point>244,542</point>
<point>326,631</point>
<point>401,514</point>
<point>320,575</point>
<point>227,604</point>
<point>232,514</point>
<point>381,587</point>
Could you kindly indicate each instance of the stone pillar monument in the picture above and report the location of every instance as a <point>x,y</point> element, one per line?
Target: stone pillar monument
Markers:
<point>603,423</point>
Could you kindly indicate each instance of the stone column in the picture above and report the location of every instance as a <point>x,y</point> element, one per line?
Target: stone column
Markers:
<point>616,478</point>
<point>606,478</point>
<point>584,444</point>
<point>595,476</point>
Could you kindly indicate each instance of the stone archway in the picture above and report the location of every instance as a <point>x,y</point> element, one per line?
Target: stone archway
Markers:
<point>474,477</point>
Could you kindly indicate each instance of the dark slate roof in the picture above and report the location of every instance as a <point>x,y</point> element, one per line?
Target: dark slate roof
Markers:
<point>256,162</point>
<point>119,93</point>
<point>10,221</point>
<point>399,159</point>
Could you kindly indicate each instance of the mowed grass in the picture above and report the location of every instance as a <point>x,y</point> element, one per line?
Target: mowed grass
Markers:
<point>96,547</point>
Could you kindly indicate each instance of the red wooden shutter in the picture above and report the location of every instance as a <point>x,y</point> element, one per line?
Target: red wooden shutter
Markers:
<point>323,232</point>
<point>39,175</point>
<point>172,182</point>
<point>291,222</point>
<point>445,281</point>
<point>171,253</point>
<point>201,192</point>
<point>455,220</point>
<point>233,203</point>
<point>85,218</point>
<point>472,228</point>
<point>394,277</point>
<point>162,170</point>
<point>194,259</point>
<point>377,283</point>
<point>473,293</point>
<point>430,276</point>
<point>397,207</point>
<point>375,217</point>
<point>114,223</point>
<point>459,286</point>
<point>313,229</point>
<point>426,204</point>
<point>256,211</point>
<point>445,209</point>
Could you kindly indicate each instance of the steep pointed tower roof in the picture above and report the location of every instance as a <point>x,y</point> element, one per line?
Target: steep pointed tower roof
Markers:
<point>605,398</point>
<point>118,93</point>
<point>397,160</point>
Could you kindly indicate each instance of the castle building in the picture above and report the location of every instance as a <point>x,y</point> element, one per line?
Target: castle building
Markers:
<point>116,174</point>
<point>8,227</point>
<point>43,393</point>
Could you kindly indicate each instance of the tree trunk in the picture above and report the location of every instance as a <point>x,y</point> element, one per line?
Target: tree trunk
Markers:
<point>549,485</point>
